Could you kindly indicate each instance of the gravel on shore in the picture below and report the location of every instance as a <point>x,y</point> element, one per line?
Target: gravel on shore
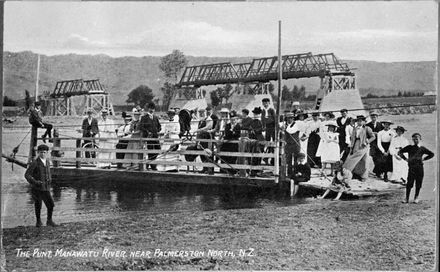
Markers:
<point>365,234</point>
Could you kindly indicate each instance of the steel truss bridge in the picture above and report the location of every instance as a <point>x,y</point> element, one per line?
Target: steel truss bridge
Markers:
<point>75,97</point>
<point>263,70</point>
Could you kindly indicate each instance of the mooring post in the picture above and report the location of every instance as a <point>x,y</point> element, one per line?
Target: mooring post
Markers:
<point>78,154</point>
<point>33,144</point>
<point>283,166</point>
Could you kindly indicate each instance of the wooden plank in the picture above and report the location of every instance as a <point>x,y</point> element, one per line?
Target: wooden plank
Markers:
<point>200,164</point>
<point>265,143</point>
<point>156,151</point>
<point>72,175</point>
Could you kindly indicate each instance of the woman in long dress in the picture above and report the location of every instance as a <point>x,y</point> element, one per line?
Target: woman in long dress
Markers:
<point>107,129</point>
<point>385,163</point>
<point>329,151</point>
<point>135,134</point>
<point>400,167</point>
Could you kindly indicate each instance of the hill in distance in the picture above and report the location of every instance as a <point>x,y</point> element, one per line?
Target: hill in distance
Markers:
<point>123,74</point>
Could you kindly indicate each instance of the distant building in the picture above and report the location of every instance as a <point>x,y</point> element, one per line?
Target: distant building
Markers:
<point>432,93</point>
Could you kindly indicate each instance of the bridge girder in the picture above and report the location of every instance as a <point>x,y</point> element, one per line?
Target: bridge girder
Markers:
<point>265,69</point>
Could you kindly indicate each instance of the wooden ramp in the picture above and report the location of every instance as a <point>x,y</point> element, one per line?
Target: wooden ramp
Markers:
<point>372,186</point>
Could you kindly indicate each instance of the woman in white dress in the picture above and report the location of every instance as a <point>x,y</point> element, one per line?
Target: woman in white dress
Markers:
<point>303,133</point>
<point>328,116</point>
<point>330,148</point>
<point>107,129</point>
<point>400,167</point>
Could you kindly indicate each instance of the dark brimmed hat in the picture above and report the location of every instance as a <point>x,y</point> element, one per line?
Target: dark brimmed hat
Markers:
<point>301,155</point>
<point>245,111</point>
<point>416,134</point>
<point>37,103</point>
<point>257,110</point>
<point>171,111</point>
<point>89,111</point>
<point>400,128</point>
<point>42,147</point>
<point>208,108</point>
<point>315,114</point>
<point>329,113</point>
<point>104,111</point>
<point>343,110</point>
<point>265,100</point>
<point>302,113</point>
<point>361,117</point>
<point>151,105</point>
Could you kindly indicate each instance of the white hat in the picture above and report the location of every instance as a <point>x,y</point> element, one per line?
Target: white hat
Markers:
<point>295,103</point>
<point>225,110</point>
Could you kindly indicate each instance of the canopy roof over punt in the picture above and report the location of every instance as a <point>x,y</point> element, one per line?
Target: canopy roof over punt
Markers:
<point>264,70</point>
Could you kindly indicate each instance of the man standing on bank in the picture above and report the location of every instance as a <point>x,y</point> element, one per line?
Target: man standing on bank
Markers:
<point>149,127</point>
<point>268,120</point>
<point>38,175</point>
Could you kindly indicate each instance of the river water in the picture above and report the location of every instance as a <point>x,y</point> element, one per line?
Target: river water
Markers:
<point>91,201</point>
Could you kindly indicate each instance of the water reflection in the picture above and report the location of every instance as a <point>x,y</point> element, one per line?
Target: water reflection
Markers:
<point>98,200</point>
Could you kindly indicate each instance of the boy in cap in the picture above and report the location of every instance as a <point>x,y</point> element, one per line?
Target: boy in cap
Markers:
<point>38,175</point>
<point>415,165</point>
<point>301,172</point>
<point>36,120</point>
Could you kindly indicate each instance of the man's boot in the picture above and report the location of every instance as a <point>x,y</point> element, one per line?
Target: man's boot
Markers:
<point>39,223</point>
<point>49,219</point>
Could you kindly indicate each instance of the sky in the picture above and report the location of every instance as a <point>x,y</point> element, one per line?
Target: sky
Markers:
<point>377,31</point>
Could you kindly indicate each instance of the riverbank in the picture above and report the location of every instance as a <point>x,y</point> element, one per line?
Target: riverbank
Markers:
<point>366,234</point>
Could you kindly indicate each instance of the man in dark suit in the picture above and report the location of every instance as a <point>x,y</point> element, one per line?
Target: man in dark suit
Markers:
<point>89,129</point>
<point>375,153</point>
<point>38,175</point>
<point>342,123</point>
<point>268,120</point>
<point>36,120</point>
<point>150,127</point>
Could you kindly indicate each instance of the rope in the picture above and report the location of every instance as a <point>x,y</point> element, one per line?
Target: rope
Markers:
<point>311,112</point>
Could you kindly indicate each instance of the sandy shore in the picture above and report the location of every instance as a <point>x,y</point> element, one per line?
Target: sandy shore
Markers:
<point>368,234</point>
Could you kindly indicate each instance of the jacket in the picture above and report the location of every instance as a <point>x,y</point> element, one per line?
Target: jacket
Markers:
<point>35,118</point>
<point>149,127</point>
<point>366,136</point>
<point>269,120</point>
<point>36,173</point>
<point>90,130</point>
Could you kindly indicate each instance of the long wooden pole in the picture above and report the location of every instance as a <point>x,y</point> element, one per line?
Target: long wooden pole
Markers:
<point>38,78</point>
<point>277,119</point>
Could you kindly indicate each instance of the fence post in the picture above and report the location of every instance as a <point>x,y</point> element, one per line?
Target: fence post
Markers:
<point>282,161</point>
<point>78,153</point>
<point>141,156</point>
<point>56,143</point>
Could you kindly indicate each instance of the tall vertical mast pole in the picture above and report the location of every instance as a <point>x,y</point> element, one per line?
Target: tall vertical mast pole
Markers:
<point>277,119</point>
<point>38,78</point>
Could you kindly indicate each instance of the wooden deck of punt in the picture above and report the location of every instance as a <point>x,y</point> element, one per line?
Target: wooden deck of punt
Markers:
<point>69,175</point>
<point>370,187</point>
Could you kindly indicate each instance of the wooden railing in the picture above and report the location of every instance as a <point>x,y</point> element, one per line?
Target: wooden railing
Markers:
<point>70,151</point>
